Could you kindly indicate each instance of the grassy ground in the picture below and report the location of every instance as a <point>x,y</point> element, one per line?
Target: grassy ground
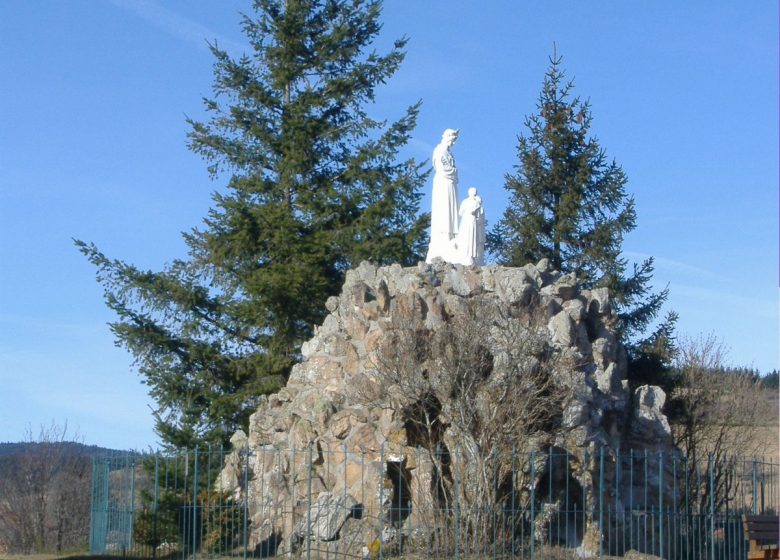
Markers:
<point>44,556</point>
<point>769,436</point>
<point>73,556</point>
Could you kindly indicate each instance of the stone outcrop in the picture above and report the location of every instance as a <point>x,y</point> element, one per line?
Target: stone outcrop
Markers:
<point>345,433</point>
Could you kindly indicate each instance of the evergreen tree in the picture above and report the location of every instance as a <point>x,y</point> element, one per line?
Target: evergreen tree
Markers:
<point>315,186</point>
<point>771,380</point>
<point>568,204</point>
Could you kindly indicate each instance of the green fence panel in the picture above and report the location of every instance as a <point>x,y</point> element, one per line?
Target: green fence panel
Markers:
<point>538,505</point>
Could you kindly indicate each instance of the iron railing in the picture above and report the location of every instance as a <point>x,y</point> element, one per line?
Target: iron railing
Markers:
<point>538,505</point>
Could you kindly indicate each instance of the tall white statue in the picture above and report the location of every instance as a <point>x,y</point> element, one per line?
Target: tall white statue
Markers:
<point>444,200</point>
<point>470,241</point>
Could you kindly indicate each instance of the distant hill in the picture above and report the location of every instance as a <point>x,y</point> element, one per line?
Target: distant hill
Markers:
<point>71,448</point>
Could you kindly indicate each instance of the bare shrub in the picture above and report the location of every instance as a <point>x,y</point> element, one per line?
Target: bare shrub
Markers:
<point>716,411</point>
<point>476,394</point>
<point>44,494</point>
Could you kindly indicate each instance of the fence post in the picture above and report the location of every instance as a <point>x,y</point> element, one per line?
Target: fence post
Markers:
<point>381,495</point>
<point>132,505</point>
<point>208,512</point>
<point>495,503</point>
<point>92,516</point>
<point>712,505</point>
<point>513,511</point>
<point>661,504</point>
<point>619,537</point>
<point>688,516</point>
<point>195,505</point>
<point>755,489</point>
<point>344,466</point>
<point>533,499</point>
<point>567,506</point>
<point>308,509</point>
<point>458,494</point>
<point>246,497</point>
<point>630,498</point>
<point>646,502</point>
<point>222,503</point>
<point>677,543</point>
<point>154,506</point>
<point>601,502</point>
<point>107,492</point>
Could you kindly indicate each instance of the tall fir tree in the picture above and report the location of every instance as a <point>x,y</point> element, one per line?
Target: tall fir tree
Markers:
<point>568,203</point>
<point>315,186</point>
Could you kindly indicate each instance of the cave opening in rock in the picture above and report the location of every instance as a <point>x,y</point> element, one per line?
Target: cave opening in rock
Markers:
<point>560,500</point>
<point>401,497</point>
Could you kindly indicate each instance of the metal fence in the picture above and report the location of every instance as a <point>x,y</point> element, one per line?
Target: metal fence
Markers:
<point>538,505</point>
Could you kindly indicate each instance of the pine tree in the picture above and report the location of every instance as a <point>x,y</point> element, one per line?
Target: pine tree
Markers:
<point>315,186</point>
<point>568,203</point>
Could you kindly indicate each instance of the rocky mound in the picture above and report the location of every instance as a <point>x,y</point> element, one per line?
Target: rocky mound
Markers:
<point>435,386</point>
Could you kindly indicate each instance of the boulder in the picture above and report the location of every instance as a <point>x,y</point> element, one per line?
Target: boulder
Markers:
<point>328,515</point>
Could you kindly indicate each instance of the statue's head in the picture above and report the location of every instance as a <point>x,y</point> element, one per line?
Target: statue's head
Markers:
<point>472,192</point>
<point>450,135</point>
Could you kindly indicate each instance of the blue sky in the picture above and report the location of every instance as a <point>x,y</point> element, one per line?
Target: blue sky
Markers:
<point>93,99</point>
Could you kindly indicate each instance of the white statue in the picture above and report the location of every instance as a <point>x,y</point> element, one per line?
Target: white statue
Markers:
<point>470,241</point>
<point>444,200</point>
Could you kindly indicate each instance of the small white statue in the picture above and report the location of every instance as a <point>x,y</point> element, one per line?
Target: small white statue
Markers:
<point>444,200</point>
<point>470,241</point>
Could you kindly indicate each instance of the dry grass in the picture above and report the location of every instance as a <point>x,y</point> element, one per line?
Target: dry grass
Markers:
<point>74,556</point>
<point>765,438</point>
<point>758,440</point>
